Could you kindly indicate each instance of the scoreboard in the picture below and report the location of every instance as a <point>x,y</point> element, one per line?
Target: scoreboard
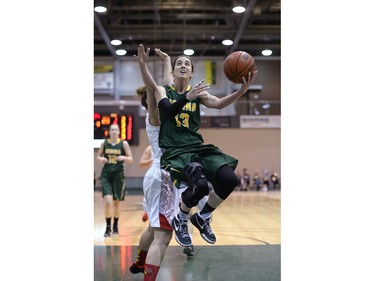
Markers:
<point>102,121</point>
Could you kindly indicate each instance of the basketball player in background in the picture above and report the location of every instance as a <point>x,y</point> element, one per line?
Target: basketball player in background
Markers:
<point>114,154</point>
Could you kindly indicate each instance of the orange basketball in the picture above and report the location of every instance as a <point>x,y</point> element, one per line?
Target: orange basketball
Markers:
<point>237,65</point>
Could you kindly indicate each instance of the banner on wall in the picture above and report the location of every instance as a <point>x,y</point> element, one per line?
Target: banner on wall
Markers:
<point>210,67</point>
<point>265,121</point>
<point>99,68</point>
<point>103,77</point>
<point>103,81</point>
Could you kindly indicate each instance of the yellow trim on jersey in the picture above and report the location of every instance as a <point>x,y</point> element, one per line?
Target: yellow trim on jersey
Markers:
<point>109,141</point>
<point>188,87</point>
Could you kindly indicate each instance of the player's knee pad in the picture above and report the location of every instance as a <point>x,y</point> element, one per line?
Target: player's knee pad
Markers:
<point>195,177</point>
<point>198,184</point>
<point>226,181</point>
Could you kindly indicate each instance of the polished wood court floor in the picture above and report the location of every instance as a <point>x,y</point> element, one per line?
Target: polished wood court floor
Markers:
<point>246,225</point>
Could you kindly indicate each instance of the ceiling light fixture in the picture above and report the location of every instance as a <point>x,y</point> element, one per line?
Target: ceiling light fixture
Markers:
<point>100,9</point>
<point>227,42</point>
<point>121,52</point>
<point>116,42</point>
<point>189,52</point>
<point>266,52</point>
<point>238,9</point>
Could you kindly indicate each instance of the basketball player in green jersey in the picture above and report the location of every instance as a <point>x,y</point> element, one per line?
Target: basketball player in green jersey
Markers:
<point>161,198</point>
<point>114,154</point>
<point>185,155</point>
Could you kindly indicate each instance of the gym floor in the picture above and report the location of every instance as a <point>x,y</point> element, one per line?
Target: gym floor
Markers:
<point>247,227</point>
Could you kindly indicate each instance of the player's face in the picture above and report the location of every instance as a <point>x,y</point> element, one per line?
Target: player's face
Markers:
<point>183,68</point>
<point>114,131</point>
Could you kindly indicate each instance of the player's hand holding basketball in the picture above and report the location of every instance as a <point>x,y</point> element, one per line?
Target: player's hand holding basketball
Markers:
<point>237,65</point>
<point>250,79</point>
<point>198,90</point>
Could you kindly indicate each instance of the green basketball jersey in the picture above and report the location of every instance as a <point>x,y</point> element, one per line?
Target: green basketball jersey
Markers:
<point>180,130</point>
<point>111,152</point>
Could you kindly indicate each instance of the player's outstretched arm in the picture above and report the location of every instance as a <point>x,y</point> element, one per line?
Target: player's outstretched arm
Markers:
<point>219,103</point>
<point>142,58</point>
<point>168,75</point>
<point>150,84</point>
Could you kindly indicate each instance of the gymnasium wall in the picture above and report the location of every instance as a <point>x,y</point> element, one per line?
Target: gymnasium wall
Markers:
<point>254,148</point>
<point>129,77</point>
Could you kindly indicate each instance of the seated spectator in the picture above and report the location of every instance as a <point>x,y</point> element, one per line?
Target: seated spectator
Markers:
<point>256,180</point>
<point>275,183</point>
<point>266,179</point>
<point>245,181</point>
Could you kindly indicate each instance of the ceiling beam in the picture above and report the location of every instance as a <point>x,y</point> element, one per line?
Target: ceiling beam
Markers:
<point>201,31</point>
<point>104,35</point>
<point>244,19</point>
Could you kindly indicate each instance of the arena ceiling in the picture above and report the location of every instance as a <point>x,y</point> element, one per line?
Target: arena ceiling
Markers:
<point>201,25</point>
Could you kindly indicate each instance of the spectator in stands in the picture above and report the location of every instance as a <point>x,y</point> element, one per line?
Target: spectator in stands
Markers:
<point>245,180</point>
<point>275,183</point>
<point>256,180</point>
<point>266,179</point>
